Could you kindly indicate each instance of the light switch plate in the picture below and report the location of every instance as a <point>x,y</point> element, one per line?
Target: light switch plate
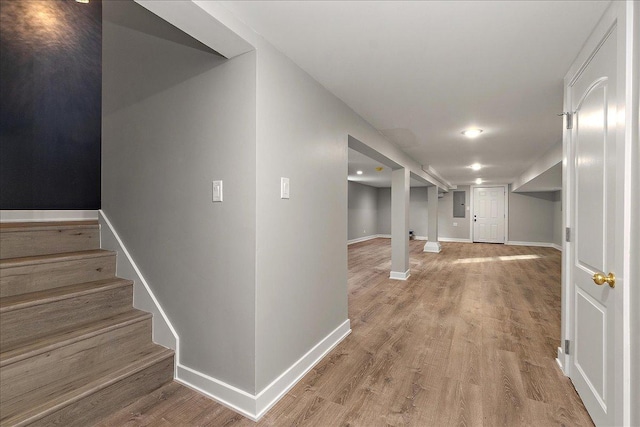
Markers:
<point>455,224</point>
<point>217,191</point>
<point>284,188</point>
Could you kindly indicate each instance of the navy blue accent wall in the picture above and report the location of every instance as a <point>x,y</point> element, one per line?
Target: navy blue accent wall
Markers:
<point>50,104</point>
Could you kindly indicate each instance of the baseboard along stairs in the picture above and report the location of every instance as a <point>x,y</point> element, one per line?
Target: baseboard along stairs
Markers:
<point>72,347</point>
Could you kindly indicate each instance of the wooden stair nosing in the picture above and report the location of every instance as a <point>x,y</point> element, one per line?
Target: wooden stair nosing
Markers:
<point>73,396</point>
<point>69,337</point>
<point>53,258</point>
<point>21,301</point>
<point>10,227</point>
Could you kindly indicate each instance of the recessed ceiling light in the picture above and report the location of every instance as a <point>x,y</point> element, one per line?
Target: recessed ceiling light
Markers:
<point>359,172</point>
<point>476,166</point>
<point>472,133</point>
<point>479,181</point>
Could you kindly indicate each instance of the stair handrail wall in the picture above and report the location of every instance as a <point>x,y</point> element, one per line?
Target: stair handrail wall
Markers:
<point>143,297</point>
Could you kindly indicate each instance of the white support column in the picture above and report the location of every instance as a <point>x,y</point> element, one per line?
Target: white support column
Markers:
<point>400,224</point>
<point>432,245</point>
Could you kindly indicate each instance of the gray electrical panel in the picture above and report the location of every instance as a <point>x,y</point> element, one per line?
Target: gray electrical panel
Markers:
<point>459,210</point>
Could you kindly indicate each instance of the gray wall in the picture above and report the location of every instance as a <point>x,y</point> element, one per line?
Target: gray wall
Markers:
<point>531,217</point>
<point>446,219</point>
<point>417,211</point>
<point>301,252</point>
<point>384,211</point>
<point>176,117</point>
<point>302,133</point>
<point>362,211</point>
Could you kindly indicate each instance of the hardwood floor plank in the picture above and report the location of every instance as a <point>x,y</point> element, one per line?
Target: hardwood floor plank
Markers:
<point>135,414</point>
<point>459,404</point>
<point>502,389</point>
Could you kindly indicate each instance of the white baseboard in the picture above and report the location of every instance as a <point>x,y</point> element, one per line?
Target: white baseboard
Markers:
<point>420,238</point>
<point>399,275</point>
<point>375,236</point>
<point>255,406</point>
<point>143,298</point>
<point>232,397</point>
<point>454,239</point>
<point>47,215</point>
<point>361,239</point>
<point>560,360</point>
<point>538,244</point>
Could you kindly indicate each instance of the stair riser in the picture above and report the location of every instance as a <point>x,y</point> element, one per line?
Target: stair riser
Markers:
<point>45,319</point>
<point>39,277</point>
<point>31,381</point>
<point>15,244</point>
<point>92,408</point>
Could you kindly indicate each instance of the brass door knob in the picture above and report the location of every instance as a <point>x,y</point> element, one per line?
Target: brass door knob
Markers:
<point>599,279</point>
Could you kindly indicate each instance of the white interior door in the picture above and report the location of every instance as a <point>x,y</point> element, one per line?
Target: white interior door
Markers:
<point>488,214</point>
<point>596,247</point>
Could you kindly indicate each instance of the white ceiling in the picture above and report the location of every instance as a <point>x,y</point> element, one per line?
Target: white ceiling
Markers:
<point>370,176</point>
<point>421,72</point>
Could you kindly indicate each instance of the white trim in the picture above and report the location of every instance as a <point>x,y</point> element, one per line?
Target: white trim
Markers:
<point>399,275</point>
<point>227,395</point>
<point>143,297</point>
<point>631,415</point>
<point>433,247</point>
<point>255,406</point>
<point>361,239</point>
<point>378,236</point>
<point>539,244</point>
<point>506,208</point>
<point>454,239</point>
<point>561,360</point>
<point>47,215</point>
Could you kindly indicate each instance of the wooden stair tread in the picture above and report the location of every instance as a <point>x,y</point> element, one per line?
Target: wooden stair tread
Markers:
<point>16,353</point>
<point>53,258</point>
<point>17,302</point>
<point>76,394</point>
<point>72,346</point>
<point>47,225</point>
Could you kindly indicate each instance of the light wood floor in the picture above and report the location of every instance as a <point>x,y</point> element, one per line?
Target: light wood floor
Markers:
<point>470,339</point>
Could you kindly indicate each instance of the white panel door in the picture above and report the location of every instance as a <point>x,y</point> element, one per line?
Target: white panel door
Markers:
<point>594,188</point>
<point>488,214</point>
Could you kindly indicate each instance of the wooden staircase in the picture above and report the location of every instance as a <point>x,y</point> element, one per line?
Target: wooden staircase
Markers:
<point>72,347</point>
